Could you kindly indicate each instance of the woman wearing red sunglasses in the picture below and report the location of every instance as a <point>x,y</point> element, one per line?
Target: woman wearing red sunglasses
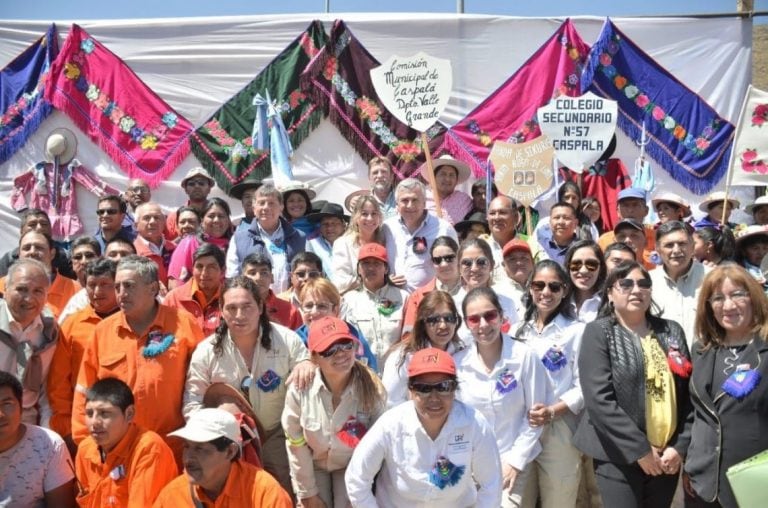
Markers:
<point>634,370</point>
<point>502,378</point>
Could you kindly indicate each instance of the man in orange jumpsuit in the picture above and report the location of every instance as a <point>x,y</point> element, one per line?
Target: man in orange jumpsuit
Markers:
<point>214,475</point>
<point>119,464</point>
<point>76,333</point>
<point>147,345</point>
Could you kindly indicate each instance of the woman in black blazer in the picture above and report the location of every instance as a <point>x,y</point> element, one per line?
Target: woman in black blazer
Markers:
<point>729,397</point>
<point>634,369</point>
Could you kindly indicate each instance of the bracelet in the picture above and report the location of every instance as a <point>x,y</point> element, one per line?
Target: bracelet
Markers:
<point>551,413</point>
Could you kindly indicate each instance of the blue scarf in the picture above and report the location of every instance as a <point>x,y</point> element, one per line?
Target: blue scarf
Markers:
<point>686,135</point>
<point>22,107</point>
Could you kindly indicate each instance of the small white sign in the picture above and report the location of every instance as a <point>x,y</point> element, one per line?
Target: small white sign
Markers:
<point>414,89</point>
<point>523,170</point>
<point>580,128</point>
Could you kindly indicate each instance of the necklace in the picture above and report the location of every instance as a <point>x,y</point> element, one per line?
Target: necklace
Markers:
<point>733,360</point>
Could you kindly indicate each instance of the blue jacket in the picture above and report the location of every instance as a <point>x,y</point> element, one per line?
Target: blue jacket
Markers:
<point>249,240</point>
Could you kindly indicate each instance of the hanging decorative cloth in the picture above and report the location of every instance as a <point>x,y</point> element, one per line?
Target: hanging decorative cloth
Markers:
<point>339,79</point>
<point>686,136</point>
<point>22,106</point>
<point>509,113</point>
<point>117,110</point>
<point>225,143</point>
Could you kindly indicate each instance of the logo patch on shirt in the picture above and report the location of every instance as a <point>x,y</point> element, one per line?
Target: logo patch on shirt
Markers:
<point>269,381</point>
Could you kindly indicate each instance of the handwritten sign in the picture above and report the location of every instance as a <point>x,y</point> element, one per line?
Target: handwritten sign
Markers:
<point>580,128</point>
<point>523,170</point>
<point>414,89</point>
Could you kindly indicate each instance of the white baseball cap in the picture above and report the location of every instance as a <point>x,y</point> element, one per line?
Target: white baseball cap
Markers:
<point>208,424</point>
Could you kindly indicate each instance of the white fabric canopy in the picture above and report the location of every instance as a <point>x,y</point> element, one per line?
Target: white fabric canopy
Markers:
<point>196,64</point>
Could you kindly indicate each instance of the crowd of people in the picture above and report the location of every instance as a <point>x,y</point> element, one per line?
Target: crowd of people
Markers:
<point>398,354</point>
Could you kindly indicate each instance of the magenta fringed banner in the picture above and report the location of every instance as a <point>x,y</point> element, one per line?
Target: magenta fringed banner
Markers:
<point>509,113</point>
<point>117,110</point>
<point>339,79</point>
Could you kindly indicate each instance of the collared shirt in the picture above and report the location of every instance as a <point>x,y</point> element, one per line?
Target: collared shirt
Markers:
<point>362,309</point>
<point>499,273</point>
<point>505,395</point>
<point>59,292</point>
<point>589,308</point>
<point>344,263</point>
<point>321,436</point>
<point>32,333</point>
<point>133,473</point>
<point>246,485</point>
<point>37,464</point>
<point>78,302</point>
<point>282,312</point>
<point>157,382</point>
<point>561,336</point>
<point>399,450</point>
<point>455,206</point>
<point>324,250</point>
<point>609,237</point>
<point>678,300</point>
<point>416,267</point>
<point>190,298</point>
<point>268,371</point>
<point>388,206</point>
<point>549,248</point>
<point>76,333</point>
<point>394,375</point>
<point>281,266</point>
<point>126,231</point>
<point>160,254</point>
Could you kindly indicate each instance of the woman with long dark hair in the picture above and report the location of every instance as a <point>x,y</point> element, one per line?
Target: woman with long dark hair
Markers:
<point>586,274</point>
<point>634,370</point>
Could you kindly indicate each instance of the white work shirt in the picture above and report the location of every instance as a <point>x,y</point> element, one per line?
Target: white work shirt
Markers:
<point>314,430</point>
<point>394,376</point>
<point>360,307</point>
<point>417,268</point>
<point>678,300</point>
<point>324,250</point>
<point>268,372</point>
<point>589,308</point>
<point>506,408</point>
<point>563,336</point>
<point>399,450</point>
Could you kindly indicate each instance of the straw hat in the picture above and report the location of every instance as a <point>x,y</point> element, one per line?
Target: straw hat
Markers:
<point>61,142</point>
<point>295,185</point>
<point>717,197</point>
<point>446,160</point>
<point>671,197</point>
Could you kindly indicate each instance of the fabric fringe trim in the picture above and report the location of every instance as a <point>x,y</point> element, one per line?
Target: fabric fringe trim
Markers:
<point>32,121</point>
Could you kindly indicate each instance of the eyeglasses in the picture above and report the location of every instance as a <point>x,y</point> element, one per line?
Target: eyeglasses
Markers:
<point>198,183</point>
<point>450,319</point>
<point>737,297</point>
<point>481,262</point>
<point>591,264</point>
<point>626,285</point>
<point>490,316</point>
<point>339,346</point>
<point>319,307</point>
<point>303,274</point>
<point>554,286</point>
<point>448,258</point>
<point>83,255</point>
<point>107,211</point>
<point>442,388</point>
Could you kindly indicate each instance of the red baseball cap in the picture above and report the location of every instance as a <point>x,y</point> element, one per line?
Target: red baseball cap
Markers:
<point>372,250</point>
<point>325,331</point>
<point>515,244</point>
<point>431,361</point>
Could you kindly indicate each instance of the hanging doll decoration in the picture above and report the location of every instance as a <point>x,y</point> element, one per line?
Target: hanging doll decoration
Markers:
<point>49,185</point>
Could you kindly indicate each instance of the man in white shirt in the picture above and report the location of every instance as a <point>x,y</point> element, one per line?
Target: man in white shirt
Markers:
<point>35,467</point>
<point>677,282</point>
<point>28,335</point>
<point>410,234</point>
<point>503,218</point>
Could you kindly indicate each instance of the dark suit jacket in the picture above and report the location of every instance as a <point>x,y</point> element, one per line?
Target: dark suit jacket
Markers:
<point>612,378</point>
<point>725,430</point>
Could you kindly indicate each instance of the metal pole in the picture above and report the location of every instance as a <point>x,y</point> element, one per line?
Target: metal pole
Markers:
<point>327,6</point>
<point>459,6</point>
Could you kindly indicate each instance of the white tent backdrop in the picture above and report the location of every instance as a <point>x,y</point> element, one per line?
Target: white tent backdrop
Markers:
<point>196,64</point>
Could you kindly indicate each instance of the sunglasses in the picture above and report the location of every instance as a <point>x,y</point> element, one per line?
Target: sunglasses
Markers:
<point>626,285</point>
<point>591,264</point>
<point>107,211</point>
<point>83,255</point>
<point>554,286</point>
<point>303,274</point>
<point>339,346</point>
<point>490,316</point>
<point>448,258</point>
<point>443,387</point>
<point>480,262</point>
<point>450,319</point>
